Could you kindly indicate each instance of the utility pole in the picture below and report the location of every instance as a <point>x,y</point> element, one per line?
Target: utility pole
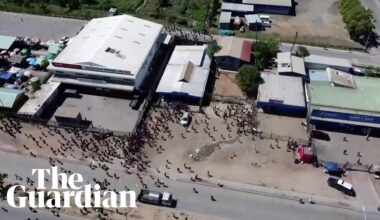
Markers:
<point>294,42</point>
<point>366,42</point>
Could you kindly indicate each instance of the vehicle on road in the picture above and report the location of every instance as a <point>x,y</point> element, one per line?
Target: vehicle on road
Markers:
<point>157,198</point>
<point>185,119</point>
<point>333,168</point>
<point>342,186</point>
<point>102,134</point>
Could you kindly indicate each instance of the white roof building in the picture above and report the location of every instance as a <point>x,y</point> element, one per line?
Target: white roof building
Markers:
<point>118,47</point>
<point>225,17</point>
<point>288,63</point>
<point>287,3</point>
<point>186,73</point>
<point>233,7</point>
<point>284,90</point>
<point>322,62</point>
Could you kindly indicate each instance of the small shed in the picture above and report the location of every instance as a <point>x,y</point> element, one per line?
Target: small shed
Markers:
<point>9,98</point>
<point>254,22</point>
<point>225,20</point>
<point>54,50</point>
<point>6,42</point>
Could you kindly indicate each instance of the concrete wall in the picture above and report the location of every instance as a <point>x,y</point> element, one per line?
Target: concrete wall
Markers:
<point>281,108</point>
<point>144,71</point>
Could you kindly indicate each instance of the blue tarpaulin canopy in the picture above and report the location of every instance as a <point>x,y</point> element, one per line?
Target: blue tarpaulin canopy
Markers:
<point>331,166</point>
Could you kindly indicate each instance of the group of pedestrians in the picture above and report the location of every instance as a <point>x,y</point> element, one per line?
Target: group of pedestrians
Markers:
<point>127,152</point>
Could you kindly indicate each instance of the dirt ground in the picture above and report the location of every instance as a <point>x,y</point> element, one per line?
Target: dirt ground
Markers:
<point>314,19</point>
<point>144,212</point>
<point>240,159</point>
<point>225,85</point>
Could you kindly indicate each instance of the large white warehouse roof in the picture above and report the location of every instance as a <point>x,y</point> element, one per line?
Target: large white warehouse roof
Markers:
<point>118,43</point>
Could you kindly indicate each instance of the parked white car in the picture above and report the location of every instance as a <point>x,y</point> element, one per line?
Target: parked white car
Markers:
<point>185,119</point>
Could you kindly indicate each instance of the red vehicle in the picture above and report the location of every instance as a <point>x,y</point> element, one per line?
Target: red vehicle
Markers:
<point>305,154</point>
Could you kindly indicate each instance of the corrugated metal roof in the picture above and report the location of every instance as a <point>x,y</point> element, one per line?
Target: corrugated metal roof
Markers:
<point>286,63</point>
<point>253,19</point>
<point>246,51</point>
<point>287,3</point>
<point>237,7</point>
<point>287,90</point>
<point>339,78</point>
<point>8,97</point>
<point>363,98</point>
<point>235,47</point>
<point>329,61</point>
<point>225,17</point>
<point>118,43</point>
<point>195,83</point>
<point>6,42</point>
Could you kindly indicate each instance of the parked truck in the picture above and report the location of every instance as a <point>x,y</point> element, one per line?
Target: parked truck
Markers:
<point>156,198</point>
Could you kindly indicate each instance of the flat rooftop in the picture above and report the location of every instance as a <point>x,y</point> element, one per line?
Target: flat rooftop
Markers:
<point>105,112</point>
<point>286,3</point>
<point>330,61</point>
<point>121,43</point>
<point>37,99</point>
<point>287,90</point>
<point>286,62</point>
<point>365,97</point>
<point>237,7</point>
<point>187,71</point>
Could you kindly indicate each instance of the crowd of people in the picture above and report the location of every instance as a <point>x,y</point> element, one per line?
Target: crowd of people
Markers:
<point>196,36</point>
<point>122,152</point>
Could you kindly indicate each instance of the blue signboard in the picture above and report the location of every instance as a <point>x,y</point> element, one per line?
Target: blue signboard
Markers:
<point>346,116</point>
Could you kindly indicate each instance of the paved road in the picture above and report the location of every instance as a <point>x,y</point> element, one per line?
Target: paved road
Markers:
<point>230,204</point>
<point>24,214</point>
<point>47,28</point>
<point>354,56</point>
<point>54,28</point>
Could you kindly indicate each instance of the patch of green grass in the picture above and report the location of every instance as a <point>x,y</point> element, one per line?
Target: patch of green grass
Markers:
<point>127,5</point>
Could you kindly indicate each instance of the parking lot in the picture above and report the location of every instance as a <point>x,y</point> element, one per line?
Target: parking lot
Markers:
<point>314,19</point>
<point>46,28</point>
<point>282,126</point>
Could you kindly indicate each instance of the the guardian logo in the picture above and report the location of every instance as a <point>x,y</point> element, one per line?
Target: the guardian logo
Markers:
<point>67,188</point>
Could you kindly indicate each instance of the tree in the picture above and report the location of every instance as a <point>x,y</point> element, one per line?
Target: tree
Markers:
<point>62,3</point>
<point>163,3</point>
<point>264,51</point>
<point>212,48</point>
<point>74,4</point>
<point>359,20</point>
<point>302,51</point>
<point>248,79</point>
<point>369,72</point>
